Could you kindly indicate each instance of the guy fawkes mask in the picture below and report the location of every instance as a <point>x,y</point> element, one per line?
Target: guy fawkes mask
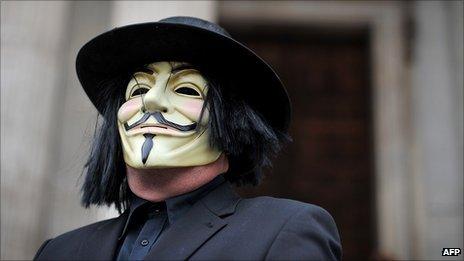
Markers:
<point>162,122</point>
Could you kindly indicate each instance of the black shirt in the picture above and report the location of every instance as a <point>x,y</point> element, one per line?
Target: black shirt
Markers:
<point>147,220</point>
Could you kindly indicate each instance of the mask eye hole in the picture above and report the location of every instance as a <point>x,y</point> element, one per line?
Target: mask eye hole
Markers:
<point>187,91</point>
<point>139,91</point>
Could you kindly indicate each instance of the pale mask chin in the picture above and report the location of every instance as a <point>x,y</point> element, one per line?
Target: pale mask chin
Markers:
<point>159,123</point>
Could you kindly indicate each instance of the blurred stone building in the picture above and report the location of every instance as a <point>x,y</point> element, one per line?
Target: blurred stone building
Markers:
<point>377,91</point>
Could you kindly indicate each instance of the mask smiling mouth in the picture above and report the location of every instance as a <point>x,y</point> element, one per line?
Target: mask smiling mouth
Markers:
<point>145,125</point>
<point>163,126</point>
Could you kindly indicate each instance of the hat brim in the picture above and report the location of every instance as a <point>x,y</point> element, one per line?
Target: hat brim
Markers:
<point>125,48</point>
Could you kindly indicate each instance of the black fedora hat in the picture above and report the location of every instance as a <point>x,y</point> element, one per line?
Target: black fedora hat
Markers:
<point>185,39</point>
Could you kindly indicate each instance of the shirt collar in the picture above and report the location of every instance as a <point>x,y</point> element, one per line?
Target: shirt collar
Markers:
<point>176,206</point>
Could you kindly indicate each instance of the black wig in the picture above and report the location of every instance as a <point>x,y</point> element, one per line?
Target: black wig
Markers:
<point>236,129</point>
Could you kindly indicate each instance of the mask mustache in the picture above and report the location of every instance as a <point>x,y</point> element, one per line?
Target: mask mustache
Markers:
<point>160,118</point>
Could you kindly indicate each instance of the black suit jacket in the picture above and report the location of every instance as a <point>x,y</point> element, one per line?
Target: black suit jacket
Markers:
<point>220,226</point>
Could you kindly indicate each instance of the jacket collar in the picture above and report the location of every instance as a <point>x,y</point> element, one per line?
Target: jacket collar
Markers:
<point>198,225</point>
<point>222,201</point>
<point>176,206</point>
<point>180,240</point>
<point>102,243</point>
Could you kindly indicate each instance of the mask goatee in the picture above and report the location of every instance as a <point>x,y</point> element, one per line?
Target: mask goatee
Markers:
<point>146,147</point>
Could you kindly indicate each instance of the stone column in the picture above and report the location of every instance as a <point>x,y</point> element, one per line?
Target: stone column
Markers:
<point>45,120</point>
<point>32,74</point>
<point>437,93</point>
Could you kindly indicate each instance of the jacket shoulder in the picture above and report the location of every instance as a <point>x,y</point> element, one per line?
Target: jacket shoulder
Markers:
<point>297,211</point>
<point>69,242</point>
<point>308,231</point>
<point>79,232</point>
<point>283,205</point>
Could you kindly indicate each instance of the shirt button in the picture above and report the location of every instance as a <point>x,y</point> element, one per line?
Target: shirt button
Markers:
<point>157,211</point>
<point>144,242</point>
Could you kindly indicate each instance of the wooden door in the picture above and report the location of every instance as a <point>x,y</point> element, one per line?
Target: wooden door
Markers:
<point>329,162</point>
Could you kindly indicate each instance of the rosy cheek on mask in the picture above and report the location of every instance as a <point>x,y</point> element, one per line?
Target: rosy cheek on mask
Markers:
<point>129,109</point>
<point>192,109</point>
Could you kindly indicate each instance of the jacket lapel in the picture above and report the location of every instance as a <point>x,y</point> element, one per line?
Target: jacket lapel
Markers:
<point>199,224</point>
<point>101,245</point>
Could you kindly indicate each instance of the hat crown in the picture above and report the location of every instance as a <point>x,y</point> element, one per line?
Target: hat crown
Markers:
<point>197,22</point>
<point>182,38</point>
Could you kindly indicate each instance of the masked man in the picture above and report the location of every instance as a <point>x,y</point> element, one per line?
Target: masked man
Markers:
<point>187,111</point>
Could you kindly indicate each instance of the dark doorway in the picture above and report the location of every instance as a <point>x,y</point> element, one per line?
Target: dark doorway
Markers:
<point>330,161</point>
